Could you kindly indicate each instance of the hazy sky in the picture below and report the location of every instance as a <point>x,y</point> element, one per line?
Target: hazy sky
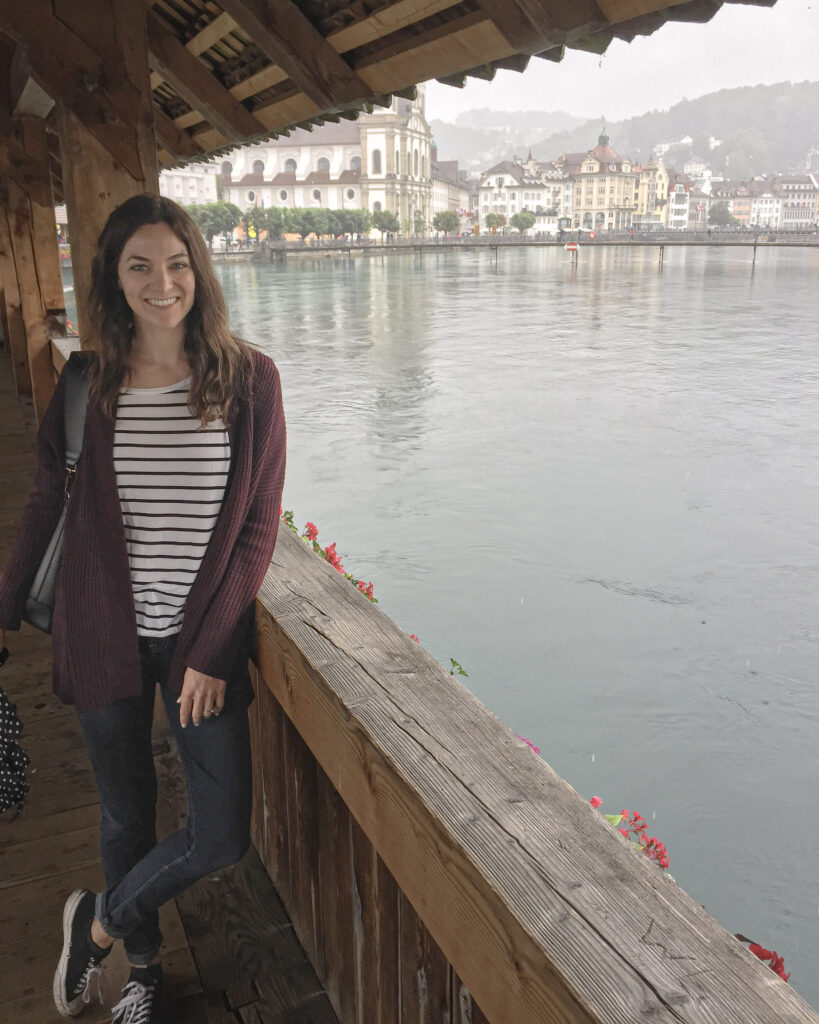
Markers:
<point>739,46</point>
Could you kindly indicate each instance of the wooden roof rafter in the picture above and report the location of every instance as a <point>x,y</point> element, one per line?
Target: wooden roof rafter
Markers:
<point>229,72</point>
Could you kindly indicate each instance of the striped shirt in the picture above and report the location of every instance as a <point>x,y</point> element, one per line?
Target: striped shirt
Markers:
<point>171,477</point>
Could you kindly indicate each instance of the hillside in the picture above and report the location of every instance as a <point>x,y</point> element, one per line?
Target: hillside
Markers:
<point>480,138</point>
<point>762,129</point>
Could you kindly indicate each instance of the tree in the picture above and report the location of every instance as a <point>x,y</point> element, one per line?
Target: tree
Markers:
<point>720,216</point>
<point>495,220</point>
<point>360,222</point>
<point>215,218</point>
<point>275,221</point>
<point>418,225</point>
<point>255,221</point>
<point>384,221</point>
<point>446,221</point>
<point>522,221</point>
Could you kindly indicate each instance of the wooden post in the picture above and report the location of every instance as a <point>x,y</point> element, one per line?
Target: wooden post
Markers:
<point>94,180</point>
<point>12,311</point>
<point>33,296</point>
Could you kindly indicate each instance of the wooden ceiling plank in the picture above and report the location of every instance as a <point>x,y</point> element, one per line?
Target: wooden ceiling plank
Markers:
<point>190,118</point>
<point>531,26</point>
<point>263,79</point>
<point>196,85</point>
<point>479,44</point>
<point>178,143</point>
<point>622,10</point>
<point>391,49</point>
<point>390,19</point>
<point>218,29</point>
<point>289,40</point>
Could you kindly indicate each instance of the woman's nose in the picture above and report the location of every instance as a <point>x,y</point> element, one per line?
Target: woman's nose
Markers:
<point>162,279</point>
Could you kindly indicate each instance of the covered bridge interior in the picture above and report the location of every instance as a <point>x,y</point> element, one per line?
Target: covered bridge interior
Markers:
<point>432,868</point>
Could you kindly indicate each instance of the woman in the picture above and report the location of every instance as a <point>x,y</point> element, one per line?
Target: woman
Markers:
<point>170,528</point>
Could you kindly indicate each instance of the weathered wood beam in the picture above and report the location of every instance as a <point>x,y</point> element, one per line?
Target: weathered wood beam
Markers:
<point>13,325</point>
<point>33,299</point>
<point>94,181</point>
<point>43,223</point>
<point>30,175</point>
<point>176,141</point>
<point>543,911</point>
<point>196,85</point>
<point>285,35</point>
<point>531,25</point>
<point>90,85</point>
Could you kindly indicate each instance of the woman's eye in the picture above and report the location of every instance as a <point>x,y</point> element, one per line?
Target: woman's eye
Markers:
<point>138,266</point>
<point>179,266</point>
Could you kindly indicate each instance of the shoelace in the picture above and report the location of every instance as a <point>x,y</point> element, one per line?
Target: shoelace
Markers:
<point>93,970</point>
<point>135,1005</point>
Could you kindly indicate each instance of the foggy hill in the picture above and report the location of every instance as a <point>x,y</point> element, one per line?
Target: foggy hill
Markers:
<point>762,129</point>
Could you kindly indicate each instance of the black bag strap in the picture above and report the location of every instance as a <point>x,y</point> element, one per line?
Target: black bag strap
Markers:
<point>76,403</point>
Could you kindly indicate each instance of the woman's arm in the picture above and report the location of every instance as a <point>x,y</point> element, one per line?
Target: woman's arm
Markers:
<point>212,653</point>
<point>41,514</point>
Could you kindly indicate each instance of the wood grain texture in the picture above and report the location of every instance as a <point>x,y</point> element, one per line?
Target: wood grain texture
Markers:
<point>290,41</point>
<point>196,85</point>
<point>13,310</point>
<point>24,247</point>
<point>543,911</point>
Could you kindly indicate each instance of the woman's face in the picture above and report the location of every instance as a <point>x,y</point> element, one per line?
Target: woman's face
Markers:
<point>157,280</point>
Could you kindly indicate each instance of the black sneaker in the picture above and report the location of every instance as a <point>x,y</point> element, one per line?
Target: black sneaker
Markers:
<point>79,964</point>
<point>141,1001</point>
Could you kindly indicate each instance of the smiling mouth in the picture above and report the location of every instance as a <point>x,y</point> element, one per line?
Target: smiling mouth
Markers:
<point>160,303</point>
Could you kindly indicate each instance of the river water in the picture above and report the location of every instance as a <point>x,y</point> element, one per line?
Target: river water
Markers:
<point>596,488</point>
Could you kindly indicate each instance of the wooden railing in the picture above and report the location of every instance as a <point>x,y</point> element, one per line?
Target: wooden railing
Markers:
<point>435,869</point>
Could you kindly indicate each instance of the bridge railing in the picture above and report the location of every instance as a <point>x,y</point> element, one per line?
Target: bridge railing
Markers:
<point>435,868</point>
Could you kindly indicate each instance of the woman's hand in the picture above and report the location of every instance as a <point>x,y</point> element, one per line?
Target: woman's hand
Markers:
<point>202,697</point>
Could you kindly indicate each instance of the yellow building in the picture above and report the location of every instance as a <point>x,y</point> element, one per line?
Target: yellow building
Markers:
<point>606,187</point>
<point>652,194</point>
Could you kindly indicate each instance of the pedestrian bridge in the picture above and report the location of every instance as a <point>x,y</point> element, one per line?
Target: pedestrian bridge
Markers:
<point>413,860</point>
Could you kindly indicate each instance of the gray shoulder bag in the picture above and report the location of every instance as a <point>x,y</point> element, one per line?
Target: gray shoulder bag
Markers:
<point>40,603</point>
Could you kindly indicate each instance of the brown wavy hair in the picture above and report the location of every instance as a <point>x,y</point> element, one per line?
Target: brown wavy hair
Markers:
<point>221,363</point>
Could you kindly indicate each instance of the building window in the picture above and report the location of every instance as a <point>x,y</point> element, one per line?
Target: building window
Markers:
<point>290,166</point>
<point>376,159</point>
<point>283,194</point>
<point>350,193</point>
<point>355,164</point>
<point>251,196</point>
<point>227,168</point>
<point>258,166</point>
<point>376,207</point>
<point>415,163</point>
<point>323,164</point>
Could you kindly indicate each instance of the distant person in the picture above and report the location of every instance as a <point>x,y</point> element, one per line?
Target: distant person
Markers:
<point>170,528</point>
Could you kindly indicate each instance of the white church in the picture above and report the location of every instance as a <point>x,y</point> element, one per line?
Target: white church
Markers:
<point>382,161</point>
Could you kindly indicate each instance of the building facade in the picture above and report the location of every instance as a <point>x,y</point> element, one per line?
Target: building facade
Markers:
<point>381,161</point>
<point>798,197</point>
<point>194,184</point>
<point>513,185</point>
<point>652,195</point>
<point>606,187</point>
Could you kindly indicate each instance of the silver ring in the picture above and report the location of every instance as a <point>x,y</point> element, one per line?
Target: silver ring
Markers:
<point>208,711</point>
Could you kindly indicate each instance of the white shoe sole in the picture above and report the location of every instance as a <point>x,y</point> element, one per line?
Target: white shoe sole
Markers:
<point>75,1007</point>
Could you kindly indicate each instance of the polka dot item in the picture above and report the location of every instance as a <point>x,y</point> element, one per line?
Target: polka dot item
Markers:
<point>13,760</point>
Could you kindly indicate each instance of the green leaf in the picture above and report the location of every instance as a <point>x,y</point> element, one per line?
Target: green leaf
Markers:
<point>614,819</point>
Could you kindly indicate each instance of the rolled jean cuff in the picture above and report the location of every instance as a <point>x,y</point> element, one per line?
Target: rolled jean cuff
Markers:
<point>138,957</point>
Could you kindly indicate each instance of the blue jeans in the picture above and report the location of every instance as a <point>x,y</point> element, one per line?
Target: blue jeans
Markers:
<point>141,874</point>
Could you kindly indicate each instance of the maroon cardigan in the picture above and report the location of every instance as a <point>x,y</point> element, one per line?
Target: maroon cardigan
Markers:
<point>96,655</point>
